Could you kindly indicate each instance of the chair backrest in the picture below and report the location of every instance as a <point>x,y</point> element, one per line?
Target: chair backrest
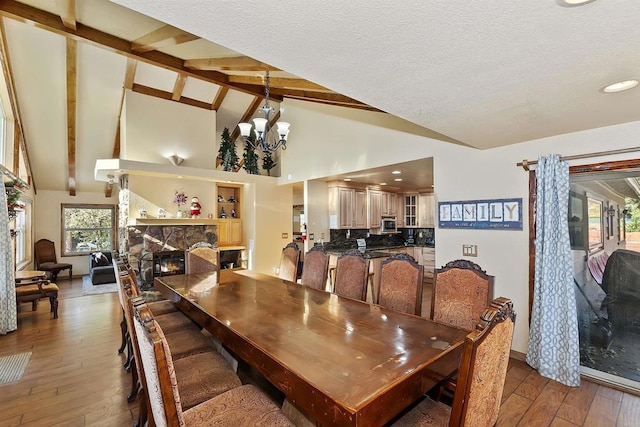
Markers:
<point>159,375</point>
<point>44,251</point>
<point>401,284</point>
<point>483,367</point>
<point>202,260</point>
<point>315,268</point>
<point>289,263</point>
<point>352,273</point>
<point>461,292</point>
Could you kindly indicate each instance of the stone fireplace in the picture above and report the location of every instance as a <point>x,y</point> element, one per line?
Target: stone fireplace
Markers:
<point>143,242</point>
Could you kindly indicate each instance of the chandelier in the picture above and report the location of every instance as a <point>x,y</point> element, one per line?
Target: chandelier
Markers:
<point>265,140</point>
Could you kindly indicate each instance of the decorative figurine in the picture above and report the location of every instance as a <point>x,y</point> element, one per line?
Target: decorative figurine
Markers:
<point>233,213</point>
<point>223,214</point>
<point>195,208</point>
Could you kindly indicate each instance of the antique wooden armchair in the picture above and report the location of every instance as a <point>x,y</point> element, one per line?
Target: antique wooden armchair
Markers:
<point>241,405</point>
<point>46,260</point>
<point>401,284</point>
<point>352,274</point>
<point>203,260</point>
<point>315,268</point>
<point>483,369</point>
<point>461,292</point>
<point>34,289</point>
<point>289,263</point>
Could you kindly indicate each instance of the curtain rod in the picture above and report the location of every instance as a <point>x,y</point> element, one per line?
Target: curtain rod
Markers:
<point>526,163</point>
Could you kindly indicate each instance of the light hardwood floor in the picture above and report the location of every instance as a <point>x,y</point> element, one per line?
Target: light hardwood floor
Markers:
<point>75,376</point>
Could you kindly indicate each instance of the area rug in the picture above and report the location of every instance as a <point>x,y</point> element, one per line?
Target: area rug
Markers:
<point>12,367</point>
<point>89,288</point>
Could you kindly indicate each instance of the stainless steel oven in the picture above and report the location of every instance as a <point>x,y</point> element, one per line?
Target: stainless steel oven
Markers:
<point>388,224</point>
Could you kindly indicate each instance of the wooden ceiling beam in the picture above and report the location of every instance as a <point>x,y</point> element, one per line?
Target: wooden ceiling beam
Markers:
<point>164,36</point>
<point>130,74</point>
<point>235,63</point>
<point>278,82</point>
<point>45,20</point>
<point>15,106</point>
<point>222,93</point>
<point>72,67</point>
<point>246,116</point>
<point>178,87</point>
<point>146,90</point>
<point>67,12</point>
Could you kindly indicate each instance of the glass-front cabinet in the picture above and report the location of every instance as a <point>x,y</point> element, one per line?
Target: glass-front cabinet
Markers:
<point>410,210</point>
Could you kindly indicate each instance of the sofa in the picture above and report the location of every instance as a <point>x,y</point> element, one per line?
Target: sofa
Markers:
<point>101,268</point>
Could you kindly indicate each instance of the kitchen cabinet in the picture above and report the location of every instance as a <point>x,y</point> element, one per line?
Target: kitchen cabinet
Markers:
<point>229,232</point>
<point>411,210</point>
<point>428,261</point>
<point>229,211</point>
<point>347,207</point>
<point>375,208</point>
<point>400,211</point>
<point>427,210</point>
<point>389,202</point>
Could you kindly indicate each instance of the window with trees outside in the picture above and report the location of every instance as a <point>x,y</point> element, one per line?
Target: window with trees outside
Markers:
<point>87,228</point>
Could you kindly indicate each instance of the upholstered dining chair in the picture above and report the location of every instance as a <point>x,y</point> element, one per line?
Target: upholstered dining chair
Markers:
<point>289,263</point>
<point>202,260</point>
<point>401,284</point>
<point>315,268</point>
<point>461,292</point>
<point>483,369</point>
<point>36,289</point>
<point>352,274</point>
<point>46,260</point>
<point>239,406</point>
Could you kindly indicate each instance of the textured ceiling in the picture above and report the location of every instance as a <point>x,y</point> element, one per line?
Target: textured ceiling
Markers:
<point>487,73</point>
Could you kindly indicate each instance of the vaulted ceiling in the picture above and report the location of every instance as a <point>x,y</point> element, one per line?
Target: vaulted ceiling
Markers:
<point>71,62</point>
<point>487,74</point>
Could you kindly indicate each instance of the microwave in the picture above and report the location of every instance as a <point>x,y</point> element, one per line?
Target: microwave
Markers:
<point>388,224</point>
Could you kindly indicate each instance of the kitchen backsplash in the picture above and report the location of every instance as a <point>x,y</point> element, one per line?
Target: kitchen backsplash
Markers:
<point>421,237</point>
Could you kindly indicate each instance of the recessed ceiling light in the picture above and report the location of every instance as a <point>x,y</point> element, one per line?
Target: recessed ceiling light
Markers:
<point>383,183</point>
<point>572,3</point>
<point>396,172</point>
<point>398,179</point>
<point>347,179</point>
<point>620,86</point>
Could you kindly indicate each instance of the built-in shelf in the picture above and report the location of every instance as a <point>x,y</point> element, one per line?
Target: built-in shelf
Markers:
<point>174,221</point>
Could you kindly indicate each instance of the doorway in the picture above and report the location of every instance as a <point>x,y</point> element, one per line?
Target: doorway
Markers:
<point>604,244</point>
<point>598,227</point>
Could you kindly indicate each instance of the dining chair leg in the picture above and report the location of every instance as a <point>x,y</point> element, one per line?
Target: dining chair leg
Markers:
<point>127,361</point>
<point>135,383</point>
<point>53,301</point>
<point>123,330</point>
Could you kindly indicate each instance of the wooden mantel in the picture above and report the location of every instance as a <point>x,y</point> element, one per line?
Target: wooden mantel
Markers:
<point>173,221</point>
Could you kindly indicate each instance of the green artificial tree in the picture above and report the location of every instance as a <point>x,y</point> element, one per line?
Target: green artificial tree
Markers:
<point>250,157</point>
<point>268,163</point>
<point>227,156</point>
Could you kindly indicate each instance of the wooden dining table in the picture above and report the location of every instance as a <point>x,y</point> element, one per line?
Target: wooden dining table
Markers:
<point>340,361</point>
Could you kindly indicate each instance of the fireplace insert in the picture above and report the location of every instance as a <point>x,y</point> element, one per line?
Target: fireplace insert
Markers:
<point>168,263</point>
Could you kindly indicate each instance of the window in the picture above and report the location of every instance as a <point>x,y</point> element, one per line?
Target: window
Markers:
<point>23,235</point>
<point>596,229</point>
<point>87,228</point>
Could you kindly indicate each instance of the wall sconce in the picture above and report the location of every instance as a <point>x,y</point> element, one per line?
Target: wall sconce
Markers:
<point>175,160</point>
<point>611,211</point>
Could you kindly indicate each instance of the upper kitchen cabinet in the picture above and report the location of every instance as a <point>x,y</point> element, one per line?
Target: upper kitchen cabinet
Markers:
<point>347,207</point>
<point>427,210</point>
<point>410,210</point>
<point>375,208</point>
<point>389,204</point>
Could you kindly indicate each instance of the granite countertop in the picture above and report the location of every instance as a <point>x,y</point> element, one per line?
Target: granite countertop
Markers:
<point>373,251</point>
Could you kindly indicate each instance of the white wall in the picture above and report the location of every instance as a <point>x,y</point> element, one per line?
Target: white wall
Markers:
<point>153,129</point>
<point>316,195</point>
<point>48,221</point>
<point>328,143</point>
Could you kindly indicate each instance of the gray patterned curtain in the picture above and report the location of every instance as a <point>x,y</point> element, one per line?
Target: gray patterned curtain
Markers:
<point>8,314</point>
<point>553,337</point>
